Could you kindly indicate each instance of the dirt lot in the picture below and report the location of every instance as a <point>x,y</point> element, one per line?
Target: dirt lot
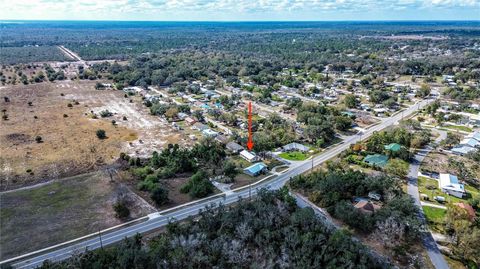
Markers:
<point>438,162</point>
<point>61,210</point>
<point>70,145</point>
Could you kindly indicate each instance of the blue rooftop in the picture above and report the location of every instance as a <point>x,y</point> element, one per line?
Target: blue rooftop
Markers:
<point>476,135</point>
<point>256,168</point>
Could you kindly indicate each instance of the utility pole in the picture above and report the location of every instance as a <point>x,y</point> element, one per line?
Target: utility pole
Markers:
<point>100,235</point>
<point>250,191</point>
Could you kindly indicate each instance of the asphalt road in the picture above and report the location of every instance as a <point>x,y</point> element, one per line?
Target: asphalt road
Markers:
<point>192,210</point>
<point>412,189</point>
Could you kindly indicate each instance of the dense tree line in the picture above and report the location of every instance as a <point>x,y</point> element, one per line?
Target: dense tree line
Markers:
<point>269,232</point>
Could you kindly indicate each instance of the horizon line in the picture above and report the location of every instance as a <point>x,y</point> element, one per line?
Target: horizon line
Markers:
<point>233,21</point>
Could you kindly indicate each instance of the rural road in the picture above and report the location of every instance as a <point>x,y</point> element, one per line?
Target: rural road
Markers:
<point>412,189</point>
<point>29,260</point>
<point>70,54</point>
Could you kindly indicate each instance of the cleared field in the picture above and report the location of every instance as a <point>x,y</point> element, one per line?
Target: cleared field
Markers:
<point>61,211</point>
<point>61,114</point>
<point>69,144</point>
<point>438,162</point>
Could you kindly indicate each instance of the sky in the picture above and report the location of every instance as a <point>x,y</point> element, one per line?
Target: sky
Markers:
<point>239,10</point>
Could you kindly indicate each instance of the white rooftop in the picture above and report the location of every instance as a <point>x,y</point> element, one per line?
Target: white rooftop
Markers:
<point>450,182</point>
<point>247,154</point>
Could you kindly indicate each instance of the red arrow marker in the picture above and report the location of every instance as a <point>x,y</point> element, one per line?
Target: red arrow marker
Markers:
<point>250,140</point>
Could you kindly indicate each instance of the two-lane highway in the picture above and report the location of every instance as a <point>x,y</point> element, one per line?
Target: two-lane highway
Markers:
<point>107,238</point>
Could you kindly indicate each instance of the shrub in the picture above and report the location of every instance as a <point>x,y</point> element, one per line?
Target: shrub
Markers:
<point>38,139</point>
<point>146,185</point>
<point>141,172</point>
<point>124,117</point>
<point>121,210</point>
<point>198,185</point>
<point>101,134</point>
<point>166,173</point>
<point>65,115</point>
<point>105,113</point>
<point>69,105</point>
<point>114,122</point>
<point>159,196</point>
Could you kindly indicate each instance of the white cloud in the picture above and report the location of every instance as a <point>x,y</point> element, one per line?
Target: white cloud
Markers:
<point>93,8</point>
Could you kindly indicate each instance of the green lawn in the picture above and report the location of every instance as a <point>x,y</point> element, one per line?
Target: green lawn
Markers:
<point>294,156</point>
<point>423,182</point>
<point>435,218</point>
<point>459,127</point>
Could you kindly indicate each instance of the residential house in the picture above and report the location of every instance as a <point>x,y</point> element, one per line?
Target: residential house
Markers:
<point>449,184</point>
<point>222,139</point>
<point>462,150</point>
<point>470,142</point>
<point>209,133</point>
<point>190,121</point>
<point>249,156</point>
<point>377,160</point>
<point>295,147</point>
<point>255,169</point>
<point>199,126</point>
<point>367,206</point>
<point>475,135</point>
<point>234,147</point>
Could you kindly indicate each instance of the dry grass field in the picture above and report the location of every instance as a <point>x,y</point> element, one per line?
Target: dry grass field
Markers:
<point>61,114</point>
<point>61,210</point>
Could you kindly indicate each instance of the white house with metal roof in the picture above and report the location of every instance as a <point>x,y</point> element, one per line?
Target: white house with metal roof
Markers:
<point>249,156</point>
<point>449,184</point>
